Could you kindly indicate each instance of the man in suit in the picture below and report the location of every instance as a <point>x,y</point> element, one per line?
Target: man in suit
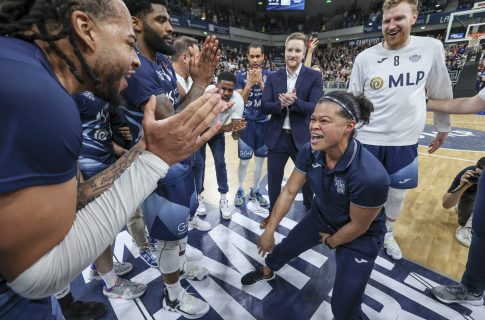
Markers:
<point>290,96</point>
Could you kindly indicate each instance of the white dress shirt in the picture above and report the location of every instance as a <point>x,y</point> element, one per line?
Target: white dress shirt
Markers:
<point>290,84</point>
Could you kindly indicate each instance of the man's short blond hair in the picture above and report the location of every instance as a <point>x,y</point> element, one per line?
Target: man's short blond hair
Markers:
<point>388,4</point>
<point>297,36</point>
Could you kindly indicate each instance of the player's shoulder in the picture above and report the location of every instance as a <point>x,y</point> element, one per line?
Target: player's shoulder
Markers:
<point>426,42</point>
<point>369,53</point>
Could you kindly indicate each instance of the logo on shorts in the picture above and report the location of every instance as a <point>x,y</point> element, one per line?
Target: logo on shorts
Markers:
<point>376,83</point>
<point>361,260</point>
<point>340,185</point>
<point>101,135</point>
<point>415,58</point>
<point>403,181</point>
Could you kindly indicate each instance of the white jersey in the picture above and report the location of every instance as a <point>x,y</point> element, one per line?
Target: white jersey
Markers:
<point>397,82</point>
<point>235,112</point>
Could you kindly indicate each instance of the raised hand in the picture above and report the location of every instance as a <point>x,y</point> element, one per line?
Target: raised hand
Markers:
<point>203,65</point>
<point>175,138</point>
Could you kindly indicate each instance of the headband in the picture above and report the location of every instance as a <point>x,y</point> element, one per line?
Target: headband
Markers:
<point>343,106</point>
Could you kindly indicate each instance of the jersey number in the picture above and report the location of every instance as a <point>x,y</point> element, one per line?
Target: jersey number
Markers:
<point>396,60</point>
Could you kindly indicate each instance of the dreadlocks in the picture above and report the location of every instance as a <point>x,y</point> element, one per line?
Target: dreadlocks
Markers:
<point>52,21</point>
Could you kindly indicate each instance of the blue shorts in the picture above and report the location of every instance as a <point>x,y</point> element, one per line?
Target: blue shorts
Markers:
<point>400,162</point>
<point>14,307</point>
<point>252,140</point>
<point>166,211</point>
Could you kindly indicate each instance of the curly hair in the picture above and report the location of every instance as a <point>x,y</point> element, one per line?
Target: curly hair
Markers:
<point>140,8</point>
<point>49,21</point>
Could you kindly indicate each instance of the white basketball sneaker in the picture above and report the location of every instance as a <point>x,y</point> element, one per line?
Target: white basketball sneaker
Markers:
<point>391,246</point>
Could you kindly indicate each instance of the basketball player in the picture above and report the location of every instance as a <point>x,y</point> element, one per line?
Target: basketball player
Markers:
<point>54,49</point>
<point>250,85</point>
<point>472,285</point>
<point>96,155</point>
<point>347,214</point>
<point>168,209</point>
<point>226,82</point>
<point>396,75</point>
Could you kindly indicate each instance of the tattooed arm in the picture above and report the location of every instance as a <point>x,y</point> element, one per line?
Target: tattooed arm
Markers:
<point>90,189</point>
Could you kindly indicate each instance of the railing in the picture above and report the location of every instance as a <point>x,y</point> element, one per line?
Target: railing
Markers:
<point>336,84</point>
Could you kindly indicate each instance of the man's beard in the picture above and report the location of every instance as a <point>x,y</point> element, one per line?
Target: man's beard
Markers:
<point>108,88</point>
<point>156,42</point>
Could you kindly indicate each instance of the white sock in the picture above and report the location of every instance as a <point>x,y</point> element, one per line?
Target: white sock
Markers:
<point>390,226</point>
<point>109,278</point>
<point>223,197</point>
<point>257,173</point>
<point>241,172</point>
<point>173,290</point>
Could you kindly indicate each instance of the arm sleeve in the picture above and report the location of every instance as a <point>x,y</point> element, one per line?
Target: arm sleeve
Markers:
<point>93,230</point>
<point>438,86</point>
<point>268,106</point>
<point>316,92</point>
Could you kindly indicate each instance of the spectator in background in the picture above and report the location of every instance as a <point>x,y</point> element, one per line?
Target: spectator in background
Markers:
<point>462,194</point>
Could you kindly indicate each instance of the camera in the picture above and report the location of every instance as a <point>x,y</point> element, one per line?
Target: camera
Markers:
<point>314,35</point>
<point>474,178</point>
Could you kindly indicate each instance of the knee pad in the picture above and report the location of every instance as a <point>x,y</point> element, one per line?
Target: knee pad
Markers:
<point>395,201</point>
<point>168,256</point>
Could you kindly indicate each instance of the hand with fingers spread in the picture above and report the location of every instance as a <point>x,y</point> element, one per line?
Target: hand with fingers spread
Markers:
<point>175,138</point>
<point>203,66</point>
<point>437,142</point>
<point>313,43</point>
<point>266,243</point>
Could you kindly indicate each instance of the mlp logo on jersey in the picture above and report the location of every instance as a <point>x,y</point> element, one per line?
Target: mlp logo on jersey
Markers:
<point>376,83</point>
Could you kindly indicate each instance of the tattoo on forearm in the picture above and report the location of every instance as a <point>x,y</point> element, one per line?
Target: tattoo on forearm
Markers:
<point>90,189</point>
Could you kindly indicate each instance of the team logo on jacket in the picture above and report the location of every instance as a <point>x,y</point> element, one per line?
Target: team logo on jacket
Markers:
<point>89,95</point>
<point>376,83</point>
<point>415,58</point>
<point>340,185</point>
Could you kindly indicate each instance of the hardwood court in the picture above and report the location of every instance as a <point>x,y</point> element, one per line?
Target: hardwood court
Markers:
<point>425,231</point>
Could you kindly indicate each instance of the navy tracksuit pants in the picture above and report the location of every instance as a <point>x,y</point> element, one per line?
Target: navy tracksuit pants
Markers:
<point>355,261</point>
<point>277,158</point>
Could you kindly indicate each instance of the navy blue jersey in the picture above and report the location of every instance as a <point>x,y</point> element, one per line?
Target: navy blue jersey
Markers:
<point>153,79</point>
<point>97,148</point>
<point>252,108</point>
<point>40,131</point>
<point>39,121</point>
<point>149,79</point>
<point>357,178</point>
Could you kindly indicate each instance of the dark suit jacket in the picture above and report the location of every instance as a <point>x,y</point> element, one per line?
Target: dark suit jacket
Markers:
<point>309,89</point>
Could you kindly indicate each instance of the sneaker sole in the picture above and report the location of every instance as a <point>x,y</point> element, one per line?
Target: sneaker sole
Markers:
<point>194,278</point>
<point>472,302</point>
<point>262,280</point>
<point>201,213</point>
<point>115,296</point>
<point>394,258</point>
<point>186,315</point>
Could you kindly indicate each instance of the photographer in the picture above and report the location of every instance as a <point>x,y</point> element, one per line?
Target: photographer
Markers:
<point>462,193</point>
